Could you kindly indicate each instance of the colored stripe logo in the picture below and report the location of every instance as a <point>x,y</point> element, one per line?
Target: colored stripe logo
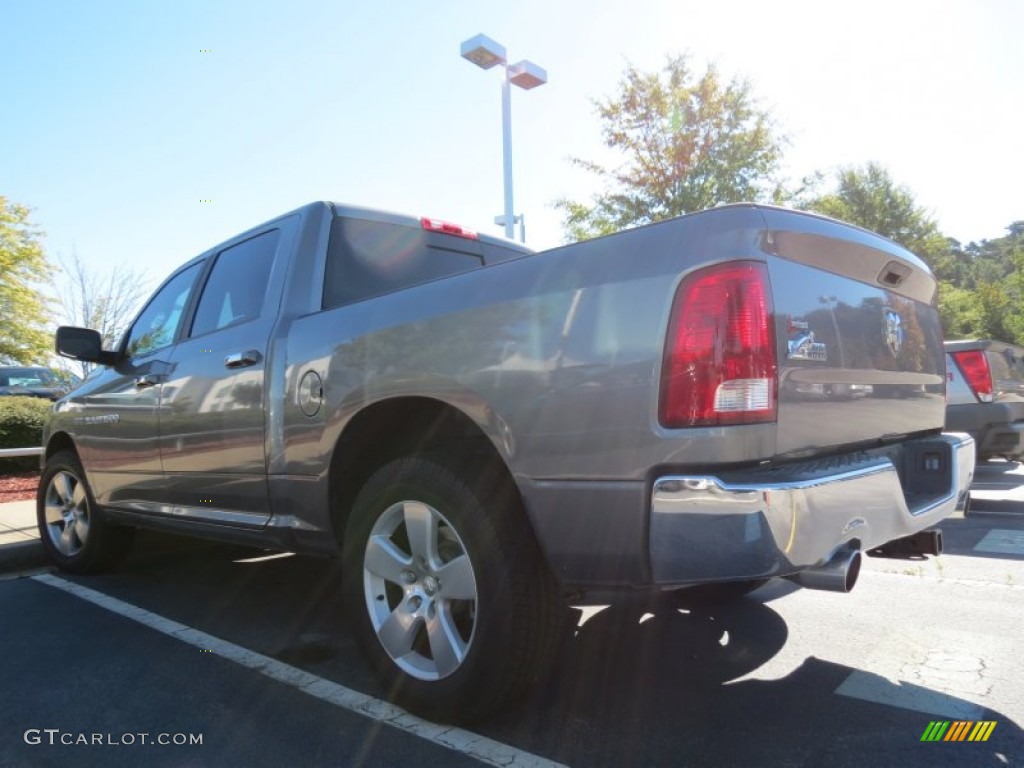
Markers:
<point>958,730</point>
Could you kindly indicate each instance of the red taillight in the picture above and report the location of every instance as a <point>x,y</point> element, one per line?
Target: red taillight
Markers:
<point>720,364</point>
<point>974,366</point>
<point>436,225</point>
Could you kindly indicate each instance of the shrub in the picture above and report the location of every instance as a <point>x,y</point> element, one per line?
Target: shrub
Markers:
<point>21,426</point>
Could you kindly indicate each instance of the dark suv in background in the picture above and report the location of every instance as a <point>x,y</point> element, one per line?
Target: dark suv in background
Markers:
<point>985,395</point>
<point>33,381</point>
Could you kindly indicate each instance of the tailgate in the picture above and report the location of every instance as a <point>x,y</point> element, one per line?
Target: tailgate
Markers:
<point>859,342</point>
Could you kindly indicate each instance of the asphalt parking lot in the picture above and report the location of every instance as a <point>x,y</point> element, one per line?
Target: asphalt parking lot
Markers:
<point>250,652</point>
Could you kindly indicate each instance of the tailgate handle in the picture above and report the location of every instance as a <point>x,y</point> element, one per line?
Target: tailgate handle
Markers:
<point>242,359</point>
<point>893,274</point>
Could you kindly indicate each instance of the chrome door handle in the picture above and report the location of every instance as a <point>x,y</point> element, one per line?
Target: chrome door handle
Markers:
<point>149,380</point>
<point>242,359</point>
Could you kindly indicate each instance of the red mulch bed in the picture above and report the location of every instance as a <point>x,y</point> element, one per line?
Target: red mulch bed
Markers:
<point>18,486</point>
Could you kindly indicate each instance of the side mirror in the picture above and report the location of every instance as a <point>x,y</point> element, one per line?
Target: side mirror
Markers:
<point>82,344</point>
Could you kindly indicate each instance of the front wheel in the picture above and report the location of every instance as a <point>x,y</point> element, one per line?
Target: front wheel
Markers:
<point>73,531</point>
<point>446,590</point>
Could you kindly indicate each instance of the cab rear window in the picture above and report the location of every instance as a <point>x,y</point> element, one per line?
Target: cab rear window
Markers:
<point>369,258</point>
<point>1007,367</point>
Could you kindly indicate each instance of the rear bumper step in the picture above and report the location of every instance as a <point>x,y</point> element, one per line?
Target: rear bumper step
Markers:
<point>805,522</point>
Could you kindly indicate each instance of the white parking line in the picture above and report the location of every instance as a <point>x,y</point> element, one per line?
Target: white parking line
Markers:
<point>997,491</point>
<point>456,739</point>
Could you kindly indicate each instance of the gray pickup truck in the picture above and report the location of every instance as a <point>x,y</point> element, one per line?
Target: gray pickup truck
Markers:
<point>480,432</point>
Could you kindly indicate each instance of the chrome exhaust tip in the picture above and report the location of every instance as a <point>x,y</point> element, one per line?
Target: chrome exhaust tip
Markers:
<point>837,575</point>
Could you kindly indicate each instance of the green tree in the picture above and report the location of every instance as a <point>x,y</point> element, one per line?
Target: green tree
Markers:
<point>997,312</point>
<point>688,142</point>
<point>986,297</point>
<point>868,197</point>
<point>961,312</point>
<point>23,266</point>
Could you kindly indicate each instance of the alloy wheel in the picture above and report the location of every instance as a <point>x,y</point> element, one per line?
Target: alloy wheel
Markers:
<point>67,515</point>
<point>420,589</point>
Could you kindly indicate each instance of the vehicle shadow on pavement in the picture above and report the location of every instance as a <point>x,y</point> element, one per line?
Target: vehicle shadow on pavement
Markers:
<point>643,686</point>
<point>277,604</point>
<point>999,506</point>
<point>638,683</point>
<point>624,650</point>
<point>996,467</point>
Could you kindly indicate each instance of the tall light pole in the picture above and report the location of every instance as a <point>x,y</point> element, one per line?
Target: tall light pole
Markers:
<point>486,53</point>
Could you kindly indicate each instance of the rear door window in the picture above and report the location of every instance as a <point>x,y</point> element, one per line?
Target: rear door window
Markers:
<point>1007,368</point>
<point>370,258</point>
<point>237,285</point>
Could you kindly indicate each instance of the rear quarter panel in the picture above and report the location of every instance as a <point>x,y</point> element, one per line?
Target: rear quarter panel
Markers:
<point>556,356</point>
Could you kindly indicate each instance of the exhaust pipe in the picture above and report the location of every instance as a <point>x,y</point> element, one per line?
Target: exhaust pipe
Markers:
<point>837,575</point>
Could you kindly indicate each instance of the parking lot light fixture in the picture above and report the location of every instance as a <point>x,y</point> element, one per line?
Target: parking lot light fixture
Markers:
<point>486,53</point>
<point>483,52</point>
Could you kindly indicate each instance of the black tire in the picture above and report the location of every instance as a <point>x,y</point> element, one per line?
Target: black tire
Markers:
<point>465,636</point>
<point>72,528</point>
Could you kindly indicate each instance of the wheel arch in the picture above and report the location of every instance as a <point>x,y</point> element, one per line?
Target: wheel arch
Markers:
<point>406,426</point>
<point>59,441</point>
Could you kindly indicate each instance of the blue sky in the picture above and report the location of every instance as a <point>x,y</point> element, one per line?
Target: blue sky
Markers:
<point>115,125</point>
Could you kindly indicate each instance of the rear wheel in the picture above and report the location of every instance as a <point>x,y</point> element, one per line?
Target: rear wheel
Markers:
<point>446,590</point>
<point>72,528</point>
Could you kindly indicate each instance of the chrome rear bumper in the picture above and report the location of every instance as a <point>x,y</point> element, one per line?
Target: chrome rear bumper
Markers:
<point>780,521</point>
